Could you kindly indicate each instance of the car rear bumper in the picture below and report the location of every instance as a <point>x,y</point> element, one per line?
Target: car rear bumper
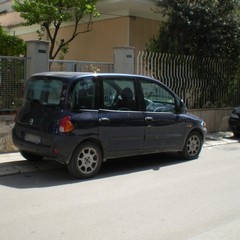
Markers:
<point>59,148</point>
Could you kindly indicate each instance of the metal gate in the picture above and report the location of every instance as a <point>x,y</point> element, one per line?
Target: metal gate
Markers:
<point>80,66</point>
<point>201,82</point>
<point>12,75</point>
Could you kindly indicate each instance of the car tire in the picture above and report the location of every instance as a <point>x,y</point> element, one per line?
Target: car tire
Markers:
<point>236,134</point>
<point>31,156</point>
<point>193,146</point>
<point>86,160</point>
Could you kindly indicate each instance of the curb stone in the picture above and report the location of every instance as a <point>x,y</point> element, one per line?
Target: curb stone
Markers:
<point>220,138</point>
<point>14,163</point>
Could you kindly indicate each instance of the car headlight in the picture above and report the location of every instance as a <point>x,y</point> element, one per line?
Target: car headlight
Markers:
<point>233,115</point>
<point>203,124</point>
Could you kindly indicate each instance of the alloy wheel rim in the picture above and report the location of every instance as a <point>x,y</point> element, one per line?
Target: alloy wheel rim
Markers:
<point>87,160</point>
<point>193,145</point>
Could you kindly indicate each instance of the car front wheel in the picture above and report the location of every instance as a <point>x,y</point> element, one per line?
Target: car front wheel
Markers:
<point>86,160</point>
<point>236,134</point>
<point>193,146</point>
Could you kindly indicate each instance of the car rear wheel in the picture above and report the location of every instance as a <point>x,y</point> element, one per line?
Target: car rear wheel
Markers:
<point>86,160</point>
<point>31,156</point>
<point>193,146</point>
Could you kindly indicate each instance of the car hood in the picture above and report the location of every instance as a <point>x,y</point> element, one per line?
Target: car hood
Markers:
<point>236,110</point>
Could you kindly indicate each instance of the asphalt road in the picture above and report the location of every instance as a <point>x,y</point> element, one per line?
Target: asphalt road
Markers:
<point>145,198</point>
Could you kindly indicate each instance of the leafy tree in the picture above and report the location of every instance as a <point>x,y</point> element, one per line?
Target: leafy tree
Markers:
<point>199,27</point>
<point>208,30</point>
<point>11,45</point>
<point>51,14</point>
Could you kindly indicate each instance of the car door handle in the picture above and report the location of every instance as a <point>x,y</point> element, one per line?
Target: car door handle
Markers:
<point>148,119</point>
<point>104,120</point>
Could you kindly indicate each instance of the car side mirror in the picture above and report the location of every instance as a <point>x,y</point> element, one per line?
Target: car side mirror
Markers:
<point>181,108</point>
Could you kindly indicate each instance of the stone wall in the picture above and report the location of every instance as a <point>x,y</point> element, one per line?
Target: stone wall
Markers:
<point>6,125</point>
<point>216,119</point>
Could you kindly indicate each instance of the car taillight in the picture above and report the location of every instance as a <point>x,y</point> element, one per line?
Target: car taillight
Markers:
<point>65,125</point>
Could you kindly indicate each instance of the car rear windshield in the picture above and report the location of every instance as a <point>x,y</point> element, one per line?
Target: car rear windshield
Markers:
<point>47,92</point>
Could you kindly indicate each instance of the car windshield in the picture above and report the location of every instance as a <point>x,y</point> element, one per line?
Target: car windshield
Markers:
<point>47,92</point>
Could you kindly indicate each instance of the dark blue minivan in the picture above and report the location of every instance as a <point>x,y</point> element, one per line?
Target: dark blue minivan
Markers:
<point>83,119</point>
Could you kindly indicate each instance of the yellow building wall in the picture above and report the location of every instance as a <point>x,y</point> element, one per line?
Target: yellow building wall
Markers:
<point>97,45</point>
<point>141,30</point>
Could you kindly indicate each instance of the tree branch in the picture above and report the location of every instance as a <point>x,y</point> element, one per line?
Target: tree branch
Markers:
<point>74,34</point>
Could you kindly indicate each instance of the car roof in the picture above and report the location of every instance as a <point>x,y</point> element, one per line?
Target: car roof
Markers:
<point>73,75</point>
<point>62,74</point>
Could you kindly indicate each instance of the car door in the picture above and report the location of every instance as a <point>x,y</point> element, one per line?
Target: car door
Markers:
<point>83,102</point>
<point>121,124</point>
<point>164,128</point>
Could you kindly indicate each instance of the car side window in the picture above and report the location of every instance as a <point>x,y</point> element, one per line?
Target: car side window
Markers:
<point>83,94</point>
<point>119,94</point>
<point>157,98</point>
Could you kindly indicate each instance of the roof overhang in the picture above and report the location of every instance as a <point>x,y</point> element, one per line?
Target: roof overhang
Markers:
<point>107,8</point>
<point>134,8</point>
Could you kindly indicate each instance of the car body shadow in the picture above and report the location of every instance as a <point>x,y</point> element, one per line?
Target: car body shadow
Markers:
<point>61,176</point>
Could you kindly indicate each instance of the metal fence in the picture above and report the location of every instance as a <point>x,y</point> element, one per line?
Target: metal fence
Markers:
<point>200,82</point>
<point>12,75</point>
<point>80,66</point>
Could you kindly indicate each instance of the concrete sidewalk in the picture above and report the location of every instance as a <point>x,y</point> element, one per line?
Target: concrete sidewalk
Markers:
<point>220,138</point>
<point>14,163</point>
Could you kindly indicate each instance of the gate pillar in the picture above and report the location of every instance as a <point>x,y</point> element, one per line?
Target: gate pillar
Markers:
<point>37,57</point>
<point>124,60</point>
